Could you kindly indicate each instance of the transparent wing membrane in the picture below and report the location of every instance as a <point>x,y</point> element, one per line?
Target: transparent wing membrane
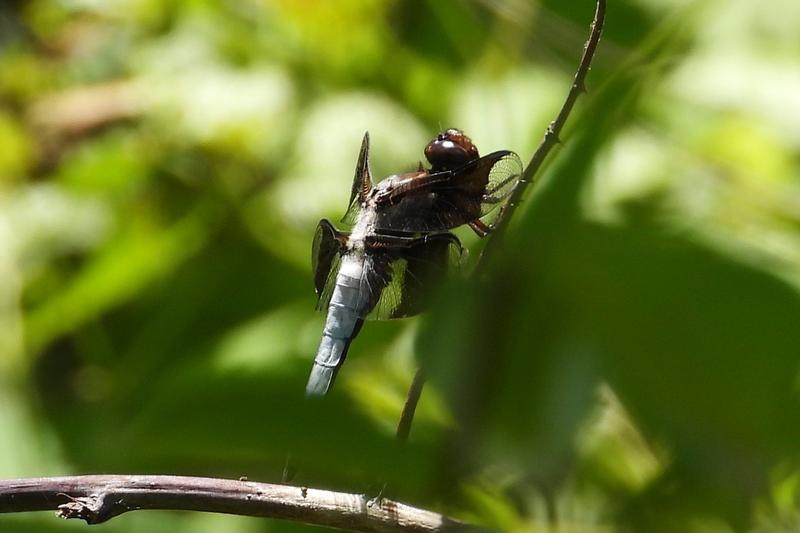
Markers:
<point>504,176</point>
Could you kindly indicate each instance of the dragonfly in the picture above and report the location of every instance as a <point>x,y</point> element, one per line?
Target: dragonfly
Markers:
<point>399,247</point>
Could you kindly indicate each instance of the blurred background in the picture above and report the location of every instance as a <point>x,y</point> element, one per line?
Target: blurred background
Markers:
<point>630,364</point>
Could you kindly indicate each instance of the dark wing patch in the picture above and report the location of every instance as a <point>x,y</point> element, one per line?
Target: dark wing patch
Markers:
<point>452,198</point>
<point>416,270</point>
<point>326,254</point>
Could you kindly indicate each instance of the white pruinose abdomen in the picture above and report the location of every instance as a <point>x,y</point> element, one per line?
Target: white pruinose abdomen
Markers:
<point>345,312</point>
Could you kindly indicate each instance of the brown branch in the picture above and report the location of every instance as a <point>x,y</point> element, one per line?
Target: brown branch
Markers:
<point>410,407</point>
<point>96,499</point>
<point>551,135</point>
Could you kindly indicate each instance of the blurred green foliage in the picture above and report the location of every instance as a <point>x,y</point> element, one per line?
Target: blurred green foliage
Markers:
<point>629,362</point>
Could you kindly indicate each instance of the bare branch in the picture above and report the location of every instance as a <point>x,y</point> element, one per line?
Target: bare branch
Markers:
<point>96,499</point>
<point>553,131</point>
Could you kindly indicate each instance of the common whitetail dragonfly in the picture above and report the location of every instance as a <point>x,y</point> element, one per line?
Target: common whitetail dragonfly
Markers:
<point>399,247</point>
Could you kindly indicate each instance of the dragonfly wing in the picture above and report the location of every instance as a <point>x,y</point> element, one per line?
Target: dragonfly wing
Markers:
<point>326,255</point>
<point>417,267</point>
<point>503,177</point>
<point>362,183</point>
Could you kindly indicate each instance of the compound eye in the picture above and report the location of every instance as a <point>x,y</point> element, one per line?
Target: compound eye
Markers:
<point>450,150</point>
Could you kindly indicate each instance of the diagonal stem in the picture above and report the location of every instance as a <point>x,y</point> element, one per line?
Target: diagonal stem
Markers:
<point>552,133</point>
<point>410,407</point>
<point>551,138</point>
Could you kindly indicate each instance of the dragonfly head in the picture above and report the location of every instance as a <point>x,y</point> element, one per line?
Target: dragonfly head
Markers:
<point>450,150</point>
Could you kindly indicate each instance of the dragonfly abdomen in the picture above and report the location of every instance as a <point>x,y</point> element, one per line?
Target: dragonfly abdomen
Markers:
<point>348,306</point>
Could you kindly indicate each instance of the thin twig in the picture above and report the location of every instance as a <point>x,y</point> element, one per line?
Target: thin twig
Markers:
<point>410,407</point>
<point>551,138</point>
<point>96,499</point>
<point>551,135</point>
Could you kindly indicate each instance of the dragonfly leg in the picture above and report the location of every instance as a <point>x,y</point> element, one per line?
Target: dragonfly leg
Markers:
<point>483,229</point>
<point>480,228</point>
<point>490,199</point>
